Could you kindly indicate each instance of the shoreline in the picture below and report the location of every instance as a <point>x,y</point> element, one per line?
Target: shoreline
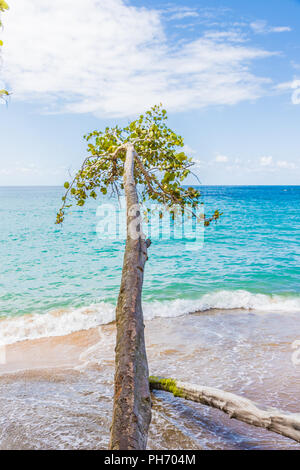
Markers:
<point>60,388</point>
<point>63,321</point>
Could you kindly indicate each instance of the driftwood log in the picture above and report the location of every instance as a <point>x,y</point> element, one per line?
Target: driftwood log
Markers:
<point>236,407</point>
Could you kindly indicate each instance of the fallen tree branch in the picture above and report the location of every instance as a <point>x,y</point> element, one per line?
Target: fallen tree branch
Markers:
<point>236,407</point>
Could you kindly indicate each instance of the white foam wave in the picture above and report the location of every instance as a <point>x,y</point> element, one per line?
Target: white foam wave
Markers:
<point>56,323</point>
<point>63,322</point>
<point>225,300</point>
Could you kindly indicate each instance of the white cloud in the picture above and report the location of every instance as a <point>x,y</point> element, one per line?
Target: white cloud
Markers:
<point>296,96</point>
<point>189,150</point>
<point>271,164</point>
<point>183,12</point>
<point>221,159</point>
<point>242,165</point>
<point>266,161</point>
<point>200,163</point>
<point>287,165</point>
<point>258,26</point>
<point>232,36</point>
<point>289,85</point>
<point>294,85</point>
<point>295,65</point>
<point>280,29</point>
<point>111,59</point>
<point>21,168</point>
<point>262,27</point>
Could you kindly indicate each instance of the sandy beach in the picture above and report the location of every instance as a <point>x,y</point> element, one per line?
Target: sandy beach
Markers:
<point>56,392</point>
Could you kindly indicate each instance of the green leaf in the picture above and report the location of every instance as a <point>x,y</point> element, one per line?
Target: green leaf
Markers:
<point>3,5</point>
<point>67,185</point>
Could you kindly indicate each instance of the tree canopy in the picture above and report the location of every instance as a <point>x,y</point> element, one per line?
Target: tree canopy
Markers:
<point>161,165</point>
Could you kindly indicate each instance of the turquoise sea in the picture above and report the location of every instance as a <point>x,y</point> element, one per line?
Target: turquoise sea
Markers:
<point>249,259</point>
<point>225,315</point>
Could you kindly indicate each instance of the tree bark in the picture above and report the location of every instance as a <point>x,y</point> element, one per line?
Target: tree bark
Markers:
<point>132,401</point>
<point>236,407</point>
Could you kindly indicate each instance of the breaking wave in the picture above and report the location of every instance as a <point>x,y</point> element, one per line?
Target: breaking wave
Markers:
<point>65,321</point>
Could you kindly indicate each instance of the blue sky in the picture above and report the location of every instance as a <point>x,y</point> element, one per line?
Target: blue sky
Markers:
<point>228,73</point>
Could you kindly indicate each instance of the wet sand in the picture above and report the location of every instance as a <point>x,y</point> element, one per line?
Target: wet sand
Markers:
<point>56,393</point>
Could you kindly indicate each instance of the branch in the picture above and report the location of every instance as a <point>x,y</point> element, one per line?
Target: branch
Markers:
<point>236,407</point>
<point>151,178</point>
<point>105,156</point>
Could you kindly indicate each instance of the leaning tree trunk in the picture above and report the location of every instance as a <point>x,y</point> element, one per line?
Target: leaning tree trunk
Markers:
<point>132,402</point>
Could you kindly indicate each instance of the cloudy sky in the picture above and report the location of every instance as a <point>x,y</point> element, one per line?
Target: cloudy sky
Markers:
<point>228,72</point>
